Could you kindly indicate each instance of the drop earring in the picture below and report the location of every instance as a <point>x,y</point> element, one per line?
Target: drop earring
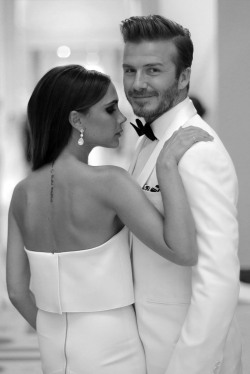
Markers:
<point>81,140</point>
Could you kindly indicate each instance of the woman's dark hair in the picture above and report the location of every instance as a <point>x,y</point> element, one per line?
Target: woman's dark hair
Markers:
<point>153,28</point>
<point>61,90</point>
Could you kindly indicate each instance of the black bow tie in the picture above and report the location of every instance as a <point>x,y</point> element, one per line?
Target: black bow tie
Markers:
<point>144,130</point>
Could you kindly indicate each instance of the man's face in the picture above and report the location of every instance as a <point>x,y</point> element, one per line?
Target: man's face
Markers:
<point>149,77</point>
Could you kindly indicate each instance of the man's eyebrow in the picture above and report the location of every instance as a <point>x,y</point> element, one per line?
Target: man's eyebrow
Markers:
<point>146,65</point>
<point>126,66</point>
<point>153,64</point>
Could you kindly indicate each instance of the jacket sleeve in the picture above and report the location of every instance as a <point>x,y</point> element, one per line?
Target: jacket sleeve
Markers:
<point>211,185</point>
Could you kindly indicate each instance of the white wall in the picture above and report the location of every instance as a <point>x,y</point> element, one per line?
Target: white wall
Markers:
<point>234,103</point>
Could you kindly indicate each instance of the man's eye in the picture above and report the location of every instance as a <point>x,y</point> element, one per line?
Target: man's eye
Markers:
<point>153,71</point>
<point>129,71</point>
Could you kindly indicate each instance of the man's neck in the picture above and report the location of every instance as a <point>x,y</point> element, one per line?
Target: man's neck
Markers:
<point>177,101</point>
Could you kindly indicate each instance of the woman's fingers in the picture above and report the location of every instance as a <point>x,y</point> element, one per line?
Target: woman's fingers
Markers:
<point>181,140</point>
<point>190,134</point>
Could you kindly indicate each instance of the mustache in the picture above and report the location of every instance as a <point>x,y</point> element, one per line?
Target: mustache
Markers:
<point>134,93</point>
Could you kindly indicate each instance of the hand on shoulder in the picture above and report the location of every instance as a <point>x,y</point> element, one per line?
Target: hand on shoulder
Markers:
<point>177,145</point>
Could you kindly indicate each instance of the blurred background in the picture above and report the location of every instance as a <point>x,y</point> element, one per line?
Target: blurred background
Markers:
<point>36,35</point>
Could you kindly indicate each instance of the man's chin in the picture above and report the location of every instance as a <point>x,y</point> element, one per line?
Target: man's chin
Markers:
<point>144,113</point>
<point>141,110</point>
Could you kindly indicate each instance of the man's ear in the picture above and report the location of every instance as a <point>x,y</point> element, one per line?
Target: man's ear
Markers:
<point>75,120</point>
<point>184,78</point>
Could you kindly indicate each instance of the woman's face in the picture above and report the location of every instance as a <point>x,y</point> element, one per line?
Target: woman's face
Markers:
<point>103,122</point>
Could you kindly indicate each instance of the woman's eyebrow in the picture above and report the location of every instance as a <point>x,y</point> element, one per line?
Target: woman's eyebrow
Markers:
<point>112,102</point>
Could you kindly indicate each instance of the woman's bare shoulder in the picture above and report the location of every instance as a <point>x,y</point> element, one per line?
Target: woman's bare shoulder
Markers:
<point>24,187</point>
<point>110,174</point>
<point>21,187</point>
<point>18,196</point>
<point>114,183</point>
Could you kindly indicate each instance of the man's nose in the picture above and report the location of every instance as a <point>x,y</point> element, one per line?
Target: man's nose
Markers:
<point>139,81</point>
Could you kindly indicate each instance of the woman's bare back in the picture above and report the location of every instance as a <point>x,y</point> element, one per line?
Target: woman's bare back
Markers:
<point>76,218</point>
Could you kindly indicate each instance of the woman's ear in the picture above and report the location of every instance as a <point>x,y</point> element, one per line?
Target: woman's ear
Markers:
<point>75,120</point>
<point>184,78</point>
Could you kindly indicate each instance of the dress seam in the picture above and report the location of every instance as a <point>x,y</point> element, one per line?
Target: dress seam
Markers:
<point>65,343</point>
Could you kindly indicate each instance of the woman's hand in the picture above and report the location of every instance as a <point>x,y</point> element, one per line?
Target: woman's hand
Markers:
<point>181,140</point>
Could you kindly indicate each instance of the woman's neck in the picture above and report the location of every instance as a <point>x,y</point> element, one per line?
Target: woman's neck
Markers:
<point>79,152</point>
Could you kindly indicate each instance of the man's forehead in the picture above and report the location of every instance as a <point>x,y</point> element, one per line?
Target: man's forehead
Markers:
<point>148,52</point>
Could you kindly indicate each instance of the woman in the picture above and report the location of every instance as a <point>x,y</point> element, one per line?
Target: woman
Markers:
<point>67,233</point>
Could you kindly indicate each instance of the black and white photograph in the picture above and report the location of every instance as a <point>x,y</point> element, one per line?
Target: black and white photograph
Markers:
<point>124,187</point>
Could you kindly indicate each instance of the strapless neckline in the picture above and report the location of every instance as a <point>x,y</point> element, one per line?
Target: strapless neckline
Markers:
<point>83,281</point>
<point>114,237</point>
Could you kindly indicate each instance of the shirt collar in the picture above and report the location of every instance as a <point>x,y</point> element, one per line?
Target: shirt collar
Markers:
<point>160,125</point>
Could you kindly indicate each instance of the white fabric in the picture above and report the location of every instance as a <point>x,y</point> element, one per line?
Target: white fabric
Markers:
<point>186,315</point>
<point>85,322</point>
<point>104,342</point>
<point>88,280</point>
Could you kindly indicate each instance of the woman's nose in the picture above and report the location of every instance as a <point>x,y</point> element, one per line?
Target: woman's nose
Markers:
<point>122,118</point>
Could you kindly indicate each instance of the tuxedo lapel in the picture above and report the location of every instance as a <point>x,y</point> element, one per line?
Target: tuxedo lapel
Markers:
<point>181,119</point>
<point>139,145</point>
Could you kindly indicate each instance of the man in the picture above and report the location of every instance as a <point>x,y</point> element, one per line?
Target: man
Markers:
<point>185,315</point>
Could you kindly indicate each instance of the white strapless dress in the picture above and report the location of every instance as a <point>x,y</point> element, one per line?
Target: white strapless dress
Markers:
<point>86,322</point>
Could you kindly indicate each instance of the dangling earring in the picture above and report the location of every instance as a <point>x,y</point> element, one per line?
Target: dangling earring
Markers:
<point>81,140</point>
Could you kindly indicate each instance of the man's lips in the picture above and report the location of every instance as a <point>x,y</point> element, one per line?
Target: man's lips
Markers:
<point>142,97</point>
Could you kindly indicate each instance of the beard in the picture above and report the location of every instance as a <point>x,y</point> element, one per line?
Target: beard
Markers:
<point>168,99</point>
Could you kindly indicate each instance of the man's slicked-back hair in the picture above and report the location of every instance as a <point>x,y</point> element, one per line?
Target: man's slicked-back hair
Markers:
<point>158,28</point>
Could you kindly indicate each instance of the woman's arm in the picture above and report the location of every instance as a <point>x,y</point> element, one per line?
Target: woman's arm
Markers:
<point>18,271</point>
<point>172,236</point>
<point>179,225</point>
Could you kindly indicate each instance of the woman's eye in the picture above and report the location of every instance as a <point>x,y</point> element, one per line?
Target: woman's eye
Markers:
<point>110,110</point>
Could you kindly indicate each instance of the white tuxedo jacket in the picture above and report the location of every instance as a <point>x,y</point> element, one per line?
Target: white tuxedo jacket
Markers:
<point>186,315</point>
